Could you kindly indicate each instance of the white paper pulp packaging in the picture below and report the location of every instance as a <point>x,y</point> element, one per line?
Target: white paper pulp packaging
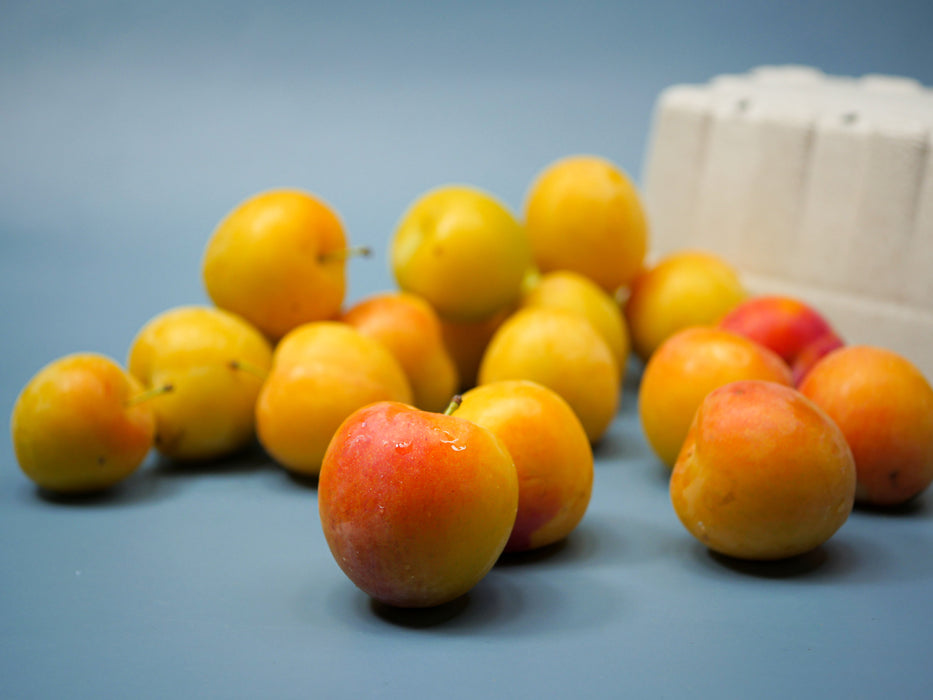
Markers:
<point>815,186</point>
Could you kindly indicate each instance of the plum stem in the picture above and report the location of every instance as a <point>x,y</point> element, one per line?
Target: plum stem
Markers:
<point>453,405</point>
<point>345,253</point>
<point>249,368</point>
<point>150,394</point>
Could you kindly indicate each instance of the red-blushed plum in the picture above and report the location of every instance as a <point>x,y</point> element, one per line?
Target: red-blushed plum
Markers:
<point>813,353</point>
<point>794,330</point>
<point>416,507</point>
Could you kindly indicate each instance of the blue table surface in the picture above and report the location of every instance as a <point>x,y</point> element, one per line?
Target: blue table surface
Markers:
<point>128,131</point>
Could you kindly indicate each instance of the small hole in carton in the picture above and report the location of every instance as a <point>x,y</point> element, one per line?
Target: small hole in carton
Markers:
<point>849,118</point>
<point>742,105</point>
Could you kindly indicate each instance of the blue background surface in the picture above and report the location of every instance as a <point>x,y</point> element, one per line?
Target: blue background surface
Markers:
<point>127,130</point>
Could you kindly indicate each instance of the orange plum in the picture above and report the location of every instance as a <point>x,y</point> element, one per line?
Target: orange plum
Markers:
<point>764,473</point>
<point>410,328</point>
<point>551,452</point>
<point>686,367</point>
<point>416,507</point>
<point>884,406</point>
<point>798,333</point>
<point>683,289</point>
<point>79,425</point>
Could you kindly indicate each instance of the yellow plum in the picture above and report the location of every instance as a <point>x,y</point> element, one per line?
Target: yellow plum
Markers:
<point>463,251</point>
<point>562,351</point>
<point>321,373</point>
<point>215,363</point>
<point>583,213</point>
<point>684,289</point>
<point>571,291</point>
<point>278,260</point>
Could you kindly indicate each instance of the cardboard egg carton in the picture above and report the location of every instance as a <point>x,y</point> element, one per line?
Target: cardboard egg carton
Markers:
<point>814,186</point>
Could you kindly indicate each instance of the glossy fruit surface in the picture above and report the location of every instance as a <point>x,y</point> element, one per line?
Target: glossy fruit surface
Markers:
<point>416,507</point>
